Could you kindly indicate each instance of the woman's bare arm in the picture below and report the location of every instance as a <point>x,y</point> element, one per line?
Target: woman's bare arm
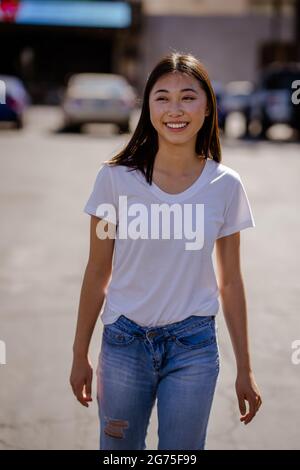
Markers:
<point>233,301</point>
<point>93,290</point>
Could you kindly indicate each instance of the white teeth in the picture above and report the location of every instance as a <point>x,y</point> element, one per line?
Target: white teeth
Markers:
<point>176,126</point>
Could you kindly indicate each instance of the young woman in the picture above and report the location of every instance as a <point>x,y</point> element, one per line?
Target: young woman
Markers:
<point>157,209</point>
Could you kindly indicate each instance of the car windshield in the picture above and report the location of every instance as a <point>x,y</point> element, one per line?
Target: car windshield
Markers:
<point>281,80</point>
<point>98,86</point>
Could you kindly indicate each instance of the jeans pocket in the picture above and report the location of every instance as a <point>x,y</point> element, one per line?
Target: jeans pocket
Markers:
<point>197,337</point>
<point>115,335</point>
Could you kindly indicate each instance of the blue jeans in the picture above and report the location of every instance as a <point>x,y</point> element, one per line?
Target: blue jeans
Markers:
<point>177,363</point>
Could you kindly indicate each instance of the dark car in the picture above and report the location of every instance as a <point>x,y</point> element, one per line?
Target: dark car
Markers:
<point>15,100</point>
<point>237,99</point>
<point>219,93</point>
<point>272,103</point>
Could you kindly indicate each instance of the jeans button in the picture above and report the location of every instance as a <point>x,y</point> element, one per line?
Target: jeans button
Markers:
<point>151,334</point>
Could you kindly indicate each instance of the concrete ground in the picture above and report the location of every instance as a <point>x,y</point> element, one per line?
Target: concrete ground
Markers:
<point>46,178</point>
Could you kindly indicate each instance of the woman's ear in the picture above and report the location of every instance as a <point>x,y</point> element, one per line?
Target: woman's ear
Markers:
<point>207,110</point>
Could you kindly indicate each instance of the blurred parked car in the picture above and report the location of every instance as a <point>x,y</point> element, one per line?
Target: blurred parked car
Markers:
<point>16,101</point>
<point>271,102</point>
<point>98,98</point>
<point>237,99</point>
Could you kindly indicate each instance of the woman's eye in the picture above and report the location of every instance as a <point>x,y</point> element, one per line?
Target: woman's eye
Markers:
<point>185,98</point>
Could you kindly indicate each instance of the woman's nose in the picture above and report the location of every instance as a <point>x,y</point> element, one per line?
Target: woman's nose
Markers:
<point>174,108</point>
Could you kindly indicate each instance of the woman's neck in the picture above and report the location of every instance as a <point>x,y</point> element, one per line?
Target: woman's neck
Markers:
<point>178,165</point>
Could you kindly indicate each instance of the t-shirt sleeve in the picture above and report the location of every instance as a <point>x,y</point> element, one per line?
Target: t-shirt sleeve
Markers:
<point>238,214</point>
<point>103,201</point>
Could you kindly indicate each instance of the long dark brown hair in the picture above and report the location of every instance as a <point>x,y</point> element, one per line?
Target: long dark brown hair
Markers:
<point>140,152</point>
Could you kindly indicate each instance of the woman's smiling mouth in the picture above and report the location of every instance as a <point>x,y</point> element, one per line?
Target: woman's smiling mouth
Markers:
<point>176,126</point>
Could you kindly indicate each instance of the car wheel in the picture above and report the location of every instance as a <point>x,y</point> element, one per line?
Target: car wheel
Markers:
<point>124,128</point>
<point>72,127</point>
<point>19,123</point>
<point>264,129</point>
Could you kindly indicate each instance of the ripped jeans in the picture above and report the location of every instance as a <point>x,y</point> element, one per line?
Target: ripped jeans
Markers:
<point>177,363</point>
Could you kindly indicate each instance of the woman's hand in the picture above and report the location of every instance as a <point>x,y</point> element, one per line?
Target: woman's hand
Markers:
<point>247,390</point>
<point>81,379</point>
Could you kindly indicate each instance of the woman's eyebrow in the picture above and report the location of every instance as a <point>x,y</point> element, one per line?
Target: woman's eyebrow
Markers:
<point>184,89</point>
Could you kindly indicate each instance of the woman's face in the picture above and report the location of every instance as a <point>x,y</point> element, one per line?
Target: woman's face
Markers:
<point>176,98</point>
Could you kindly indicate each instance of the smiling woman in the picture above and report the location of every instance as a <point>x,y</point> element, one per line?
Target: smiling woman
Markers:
<point>161,299</point>
<point>185,101</point>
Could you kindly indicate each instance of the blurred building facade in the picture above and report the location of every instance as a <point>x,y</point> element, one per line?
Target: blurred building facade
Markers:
<point>46,53</point>
<point>233,38</point>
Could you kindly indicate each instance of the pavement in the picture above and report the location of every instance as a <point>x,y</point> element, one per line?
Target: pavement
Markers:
<point>46,177</point>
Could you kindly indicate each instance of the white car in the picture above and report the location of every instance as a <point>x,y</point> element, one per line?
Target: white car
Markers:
<point>98,98</point>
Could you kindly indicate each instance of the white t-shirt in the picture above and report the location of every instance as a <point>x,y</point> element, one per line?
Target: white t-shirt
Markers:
<point>155,280</point>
